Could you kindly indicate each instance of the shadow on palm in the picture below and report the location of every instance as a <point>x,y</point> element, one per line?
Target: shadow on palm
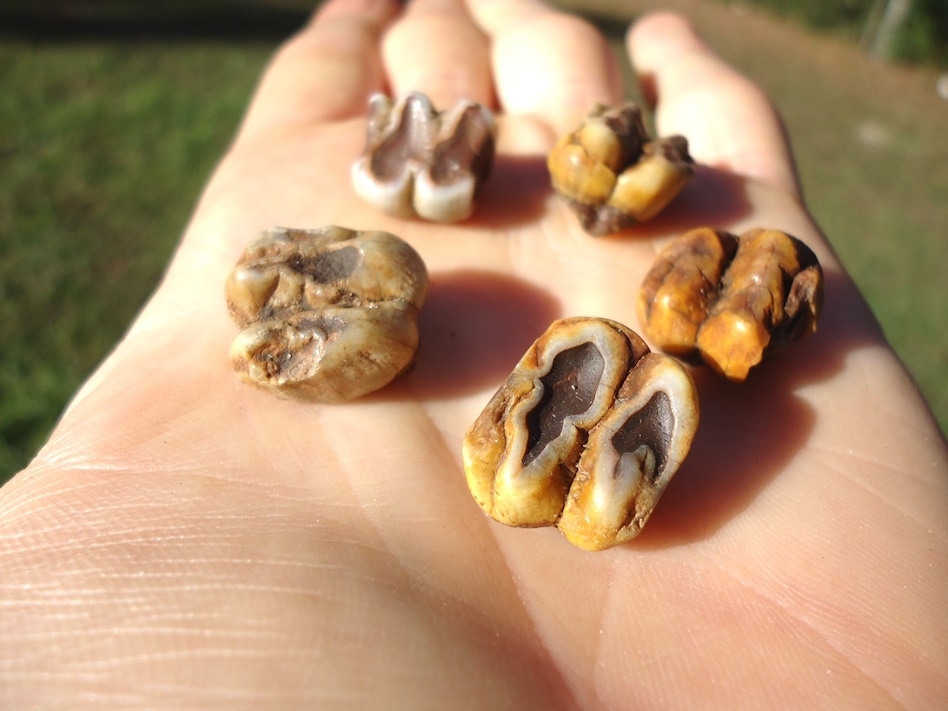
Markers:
<point>751,431</point>
<point>477,324</point>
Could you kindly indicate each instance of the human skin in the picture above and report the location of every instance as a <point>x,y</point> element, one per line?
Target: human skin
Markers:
<point>187,541</point>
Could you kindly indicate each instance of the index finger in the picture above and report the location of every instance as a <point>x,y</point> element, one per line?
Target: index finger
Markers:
<point>728,121</point>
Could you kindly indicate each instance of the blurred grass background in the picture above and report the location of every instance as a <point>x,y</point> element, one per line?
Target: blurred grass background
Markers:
<point>112,115</point>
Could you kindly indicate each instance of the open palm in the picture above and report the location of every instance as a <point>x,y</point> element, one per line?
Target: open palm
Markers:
<point>185,540</point>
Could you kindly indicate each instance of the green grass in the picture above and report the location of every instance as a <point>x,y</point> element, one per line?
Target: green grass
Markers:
<point>922,37</point>
<point>104,147</point>
<point>105,142</point>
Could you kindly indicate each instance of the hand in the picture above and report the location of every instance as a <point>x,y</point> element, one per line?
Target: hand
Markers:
<point>185,539</point>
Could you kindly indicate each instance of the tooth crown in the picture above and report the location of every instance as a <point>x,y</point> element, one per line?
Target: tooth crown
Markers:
<point>612,174</point>
<point>327,314</point>
<point>422,162</point>
<point>734,301</point>
<point>585,434</point>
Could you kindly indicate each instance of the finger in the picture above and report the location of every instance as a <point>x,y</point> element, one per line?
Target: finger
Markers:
<point>547,63</point>
<point>727,119</point>
<point>436,48</point>
<point>325,72</point>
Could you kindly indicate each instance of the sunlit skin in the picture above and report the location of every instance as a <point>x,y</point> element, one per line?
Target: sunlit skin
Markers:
<point>185,540</point>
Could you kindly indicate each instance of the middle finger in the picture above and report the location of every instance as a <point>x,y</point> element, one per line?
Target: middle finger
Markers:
<point>547,64</point>
<point>436,48</point>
